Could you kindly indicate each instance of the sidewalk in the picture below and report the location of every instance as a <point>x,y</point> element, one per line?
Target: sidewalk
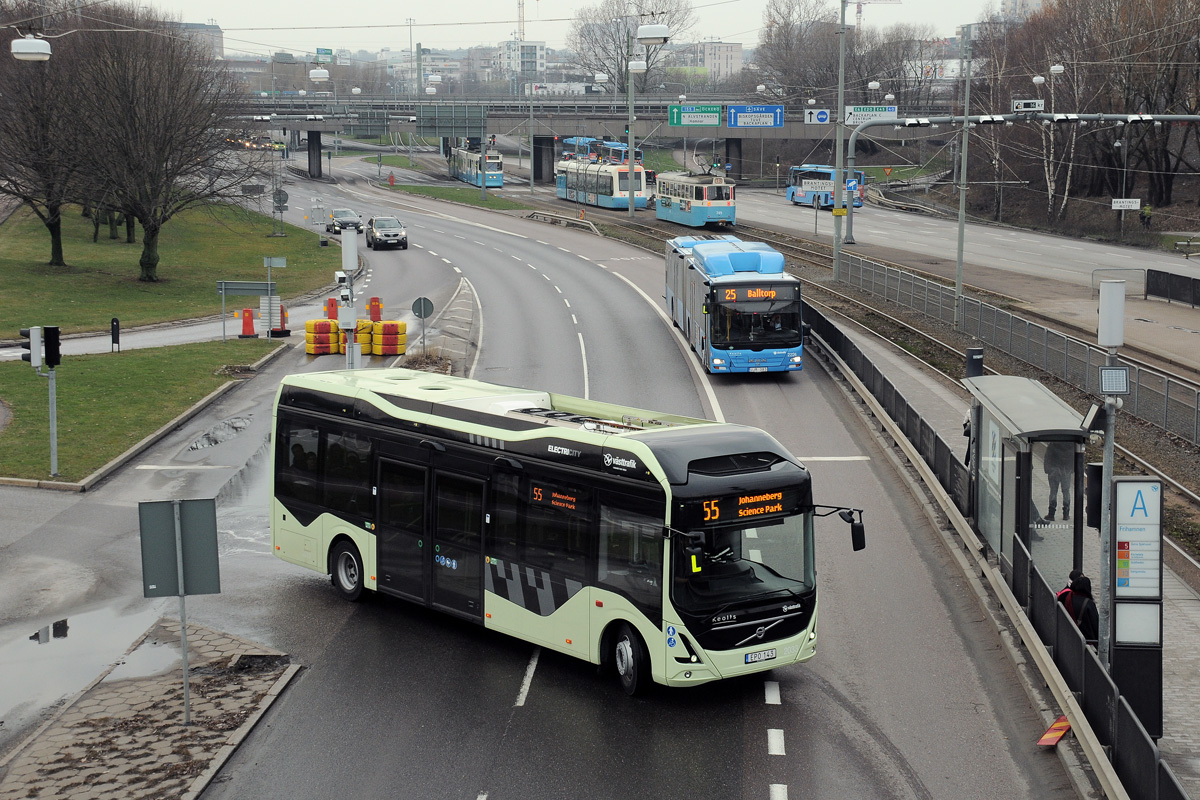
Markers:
<point>944,409</point>
<point>123,736</point>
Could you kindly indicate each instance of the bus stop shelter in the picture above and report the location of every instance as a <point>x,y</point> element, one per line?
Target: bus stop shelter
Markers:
<point>1026,456</point>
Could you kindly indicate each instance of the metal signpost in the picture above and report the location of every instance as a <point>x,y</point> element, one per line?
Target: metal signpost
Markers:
<point>273,313</point>
<point>422,308</point>
<point>248,288</point>
<point>755,117</point>
<point>816,186</point>
<point>179,557</point>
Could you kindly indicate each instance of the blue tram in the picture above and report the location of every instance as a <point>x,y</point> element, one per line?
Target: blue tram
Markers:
<point>695,200</point>
<point>477,168</point>
<point>600,184</point>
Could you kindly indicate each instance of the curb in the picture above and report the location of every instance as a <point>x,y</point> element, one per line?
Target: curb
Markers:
<point>124,458</point>
<point>238,736</point>
<point>986,584</point>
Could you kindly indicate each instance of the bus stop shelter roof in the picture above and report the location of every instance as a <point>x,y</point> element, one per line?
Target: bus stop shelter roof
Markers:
<point>1026,407</point>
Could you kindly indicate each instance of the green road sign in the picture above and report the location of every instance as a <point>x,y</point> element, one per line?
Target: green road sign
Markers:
<point>684,116</point>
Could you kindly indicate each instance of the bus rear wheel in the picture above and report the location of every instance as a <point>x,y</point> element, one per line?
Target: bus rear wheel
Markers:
<point>631,660</point>
<point>346,570</point>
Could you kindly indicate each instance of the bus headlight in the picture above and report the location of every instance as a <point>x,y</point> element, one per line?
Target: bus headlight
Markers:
<point>797,359</point>
<point>718,361</point>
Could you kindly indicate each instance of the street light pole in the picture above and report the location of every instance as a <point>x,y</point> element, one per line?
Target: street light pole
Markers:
<point>839,169</point>
<point>962,185</point>
<point>531,137</point>
<point>629,97</point>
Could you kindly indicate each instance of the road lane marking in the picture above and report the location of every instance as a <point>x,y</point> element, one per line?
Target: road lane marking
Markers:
<point>771,689</point>
<point>834,458</point>
<point>558,290</point>
<point>446,260</point>
<point>583,353</point>
<point>529,670</point>
<point>778,792</point>
<point>718,414</point>
<point>573,316</point>
<point>775,742</point>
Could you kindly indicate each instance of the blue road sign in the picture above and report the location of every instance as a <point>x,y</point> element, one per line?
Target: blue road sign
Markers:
<point>852,185</point>
<point>755,117</point>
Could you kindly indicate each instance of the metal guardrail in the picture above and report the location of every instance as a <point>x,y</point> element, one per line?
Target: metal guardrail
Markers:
<point>1170,286</point>
<point>1167,401</point>
<point>1135,757</point>
<point>563,219</point>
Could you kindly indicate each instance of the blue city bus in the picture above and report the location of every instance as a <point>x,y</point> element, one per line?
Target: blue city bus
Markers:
<point>618,153</point>
<point>466,163</point>
<point>856,185</point>
<point>694,200</point>
<point>737,306</point>
<point>581,148</point>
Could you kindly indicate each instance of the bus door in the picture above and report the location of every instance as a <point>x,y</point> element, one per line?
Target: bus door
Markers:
<point>401,539</point>
<point>456,558</point>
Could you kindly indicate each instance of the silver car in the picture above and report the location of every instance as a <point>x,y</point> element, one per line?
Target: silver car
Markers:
<point>386,232</point>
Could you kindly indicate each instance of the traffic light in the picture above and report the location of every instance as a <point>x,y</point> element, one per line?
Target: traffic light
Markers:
<point>50,337</point>
<point>33,345</point>
<point>493,140</point>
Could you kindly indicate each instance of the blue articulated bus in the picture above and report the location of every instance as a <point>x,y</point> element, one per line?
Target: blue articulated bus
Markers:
<point>856,186</point>
<point>581,148</point>
<point>738,308</point>
<point>600,184</point>
<point>476,168</point>
<point>694,200</point>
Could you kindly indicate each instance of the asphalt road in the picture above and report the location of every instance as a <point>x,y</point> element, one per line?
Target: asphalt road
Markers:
<point>908,697</point>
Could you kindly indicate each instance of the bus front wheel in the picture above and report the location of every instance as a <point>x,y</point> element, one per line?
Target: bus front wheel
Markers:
<point>631,660</point>
<point>347,571</point>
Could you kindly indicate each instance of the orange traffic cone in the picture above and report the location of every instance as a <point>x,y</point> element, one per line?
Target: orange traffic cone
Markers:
<point>331,308</point>
<point>247,324</point>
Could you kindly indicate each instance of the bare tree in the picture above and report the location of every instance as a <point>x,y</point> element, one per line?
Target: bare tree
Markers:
<point>158,121</point>
<point>600,37</point>
<point>798,47</point>
<point>39,131</point>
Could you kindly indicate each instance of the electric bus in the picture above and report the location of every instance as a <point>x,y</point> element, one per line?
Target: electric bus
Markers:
<point>664,548</point>
<point>856,186</point>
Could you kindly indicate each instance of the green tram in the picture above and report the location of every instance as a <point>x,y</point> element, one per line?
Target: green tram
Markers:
<point>660,547</point>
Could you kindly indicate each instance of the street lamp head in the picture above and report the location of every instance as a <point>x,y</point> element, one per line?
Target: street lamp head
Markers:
<point>873,85</point>
<point>1057,69</point>
<point>302,92</point>
<point>812,101</point>
<point>682,97</point>
<point>28,48</point>
<point>889,97</point>
<point>601,77</point>
<point>318,75</point>
<point>653,34</point>
<point>637,67</point>
<point>1038,80</point>
<point>356,90</point>
<point>761,88</point>
<point>430,90</point>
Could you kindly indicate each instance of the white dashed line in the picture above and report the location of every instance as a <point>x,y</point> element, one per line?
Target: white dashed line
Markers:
<point>481,244</point>
<point>456,236</point>
<point>558,290</point>
<point>544,275</point>
<point>539,241</point>
<point>528,677</point>
<point>583,353</point>
<point>459,271</point>
<point>778,791</point>
<point>775,742</point>
<point>573,316</point>
<point>518,258</point>
<point>446,260</point>
<point>568,302</point>
<point>531,266</point>
<point>432,253</point>
<point>565,250</point>
<point>772,691</point>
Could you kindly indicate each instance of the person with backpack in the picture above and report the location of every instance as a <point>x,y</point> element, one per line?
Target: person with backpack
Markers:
<point>1086,615</point>
<point>1064,594</point>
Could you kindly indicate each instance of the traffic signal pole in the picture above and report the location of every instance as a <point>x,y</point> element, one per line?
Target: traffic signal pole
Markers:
<point>37,336</point>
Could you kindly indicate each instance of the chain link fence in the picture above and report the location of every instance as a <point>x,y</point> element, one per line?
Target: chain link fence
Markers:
<point>1168,402</point>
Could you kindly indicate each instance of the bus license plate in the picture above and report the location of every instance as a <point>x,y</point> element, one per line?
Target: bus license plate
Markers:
<point>761,655</point>
<point>758,369</point>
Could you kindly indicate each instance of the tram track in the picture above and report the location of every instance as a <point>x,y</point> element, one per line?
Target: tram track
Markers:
<point>943,354</point>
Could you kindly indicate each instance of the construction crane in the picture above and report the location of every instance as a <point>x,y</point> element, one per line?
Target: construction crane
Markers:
<point>857,15</point>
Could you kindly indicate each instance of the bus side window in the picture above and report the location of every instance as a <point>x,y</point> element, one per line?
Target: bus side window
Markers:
<point>631,548</point>
<point>503,533</point>
<point>296,475</point>
<point>347,473</point>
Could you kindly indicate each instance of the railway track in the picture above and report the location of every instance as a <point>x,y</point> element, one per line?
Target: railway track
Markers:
<point>812,263</point>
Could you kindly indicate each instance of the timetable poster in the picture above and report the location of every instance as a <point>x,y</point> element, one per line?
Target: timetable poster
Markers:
<point>1138,539</point>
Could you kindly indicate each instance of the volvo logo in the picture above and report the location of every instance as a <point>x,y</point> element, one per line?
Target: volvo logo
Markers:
<point>760,632</point>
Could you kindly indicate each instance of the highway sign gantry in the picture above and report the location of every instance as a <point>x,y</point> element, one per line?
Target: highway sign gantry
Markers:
<point>755,117</point>
<point>700,115</point>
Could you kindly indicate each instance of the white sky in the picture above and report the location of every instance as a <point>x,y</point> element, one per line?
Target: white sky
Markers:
<point>303,25</point>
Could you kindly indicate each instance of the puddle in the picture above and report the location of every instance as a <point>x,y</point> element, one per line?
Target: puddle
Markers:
<point>154,657</point>
<point>221,432</point>
<point>42,666</point>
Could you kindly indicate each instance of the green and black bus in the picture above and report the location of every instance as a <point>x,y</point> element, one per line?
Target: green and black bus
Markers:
<point>663,547</point>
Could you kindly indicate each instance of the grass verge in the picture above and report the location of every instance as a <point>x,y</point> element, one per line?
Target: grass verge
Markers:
<point>108,403</point>
<point>469,196</point>
<point>196,249</point>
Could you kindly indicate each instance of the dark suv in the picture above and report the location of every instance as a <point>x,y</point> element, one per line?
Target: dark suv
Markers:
<point>386,232</point>
<point>342,218</point>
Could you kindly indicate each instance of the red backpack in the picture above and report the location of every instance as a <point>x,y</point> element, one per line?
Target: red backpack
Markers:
<point>1064,597</point>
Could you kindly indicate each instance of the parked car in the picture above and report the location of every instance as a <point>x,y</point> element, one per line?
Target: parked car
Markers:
<point>342,218</point>
<point>386,232</point>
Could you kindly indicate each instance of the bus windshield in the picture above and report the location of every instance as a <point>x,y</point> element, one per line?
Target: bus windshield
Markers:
<point>755,325</point>
<point>740,565</point>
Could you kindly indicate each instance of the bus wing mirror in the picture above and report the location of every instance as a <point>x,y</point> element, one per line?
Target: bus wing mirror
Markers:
<point>858,536</point>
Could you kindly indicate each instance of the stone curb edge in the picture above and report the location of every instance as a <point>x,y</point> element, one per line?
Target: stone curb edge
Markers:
<point>979,575</point>
<point>238,736</point>
<point>62,709</point>
<point>91,480</point>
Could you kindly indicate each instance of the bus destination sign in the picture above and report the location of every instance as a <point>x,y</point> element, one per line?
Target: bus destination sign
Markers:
<point>561,497</point>
<point>741,508</point>
<point>757,293</point>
